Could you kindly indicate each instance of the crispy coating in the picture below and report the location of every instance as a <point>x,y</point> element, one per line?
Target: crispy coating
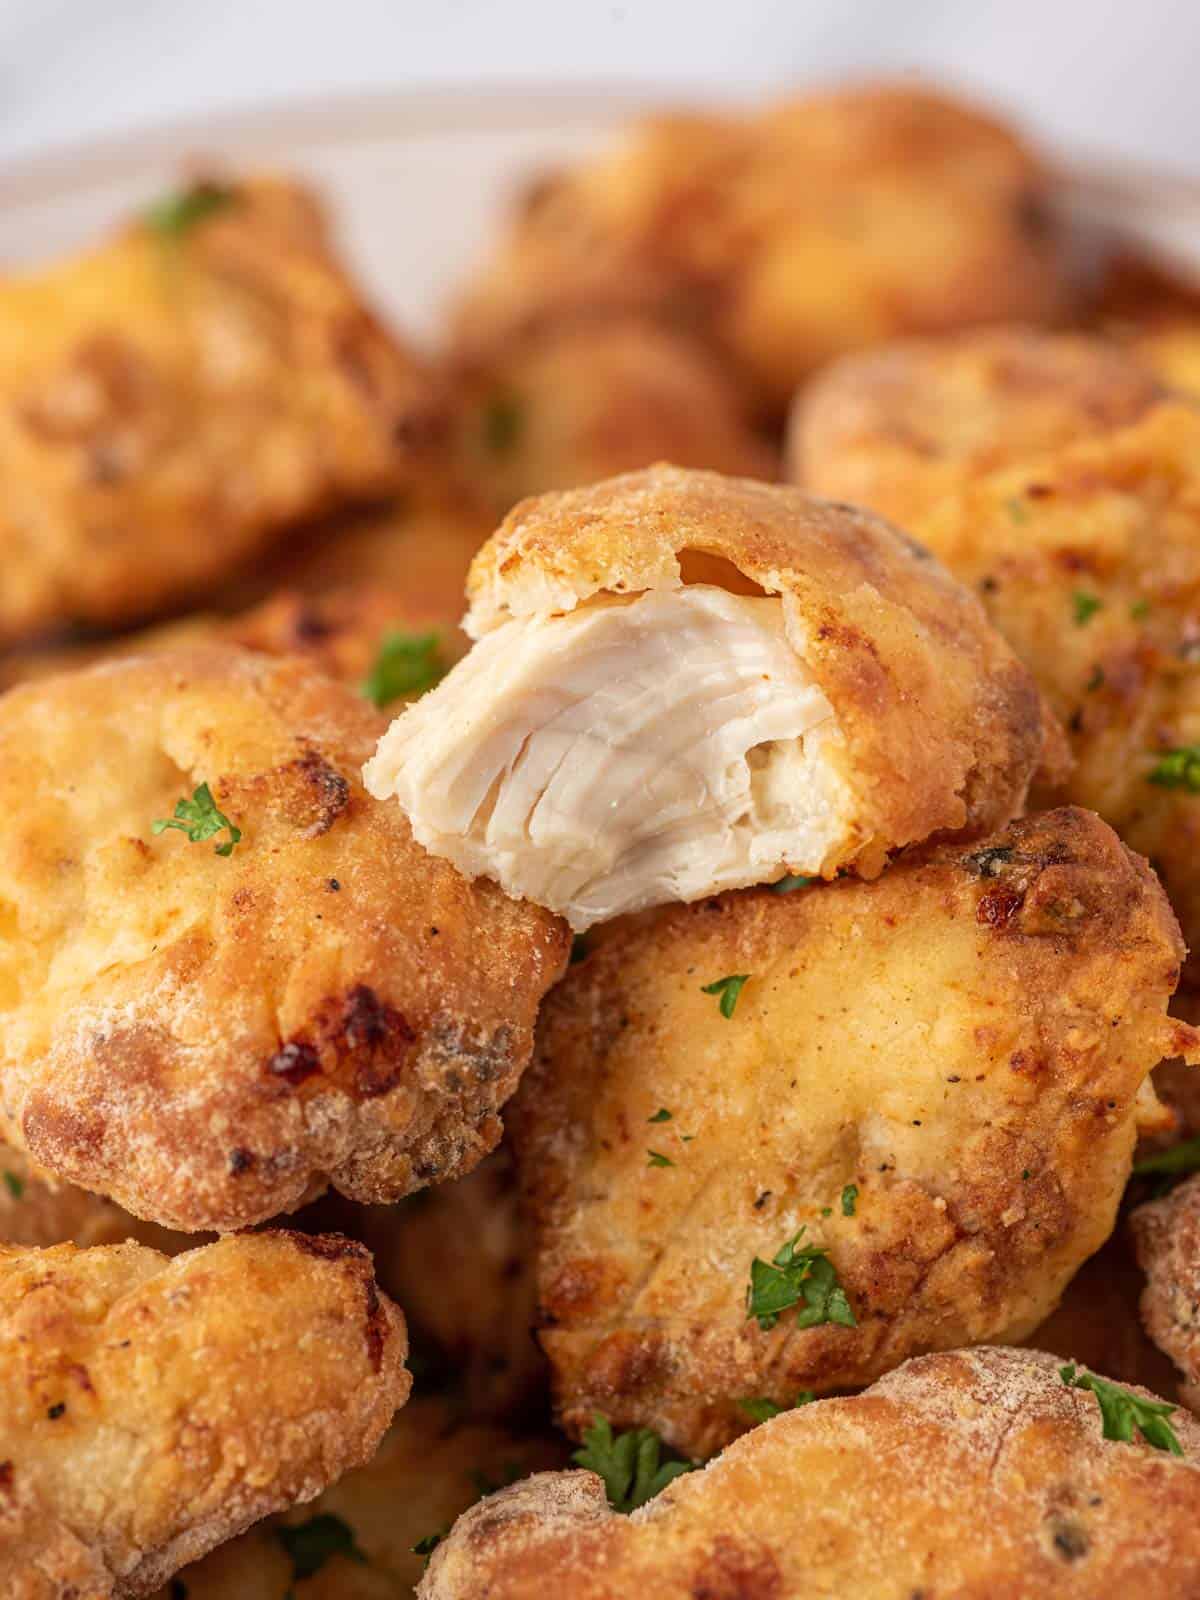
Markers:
<point>971,1474</point>
<point>898,428</point>
<point>1170,348</point>
<point>153,1408</point>
<point>174,400</point>
<point>36,1208</point>
<point>1167,1235</point>
<point>818,226</point>
<point>1088,561</point>
<point>207,1039</point>
<point>430,1467</point>
<point>942,729</point>
<point>479,1306</point>
<point>586,401</point>
<point>966,1041</point>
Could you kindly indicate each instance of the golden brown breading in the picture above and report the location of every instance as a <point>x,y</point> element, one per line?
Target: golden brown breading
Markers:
<point>1088,561</point>
<point>459,1258</point>
<point>174,400</point>
<point>36,1208</point>
<point>898,428</point>
<point>821,225</point>
<point>965,1041</point>
<point>207,1039</point>
<point>975,1474</point>
<point>153,1408</point>
<point>584,402</point>
<point>429,1468</point>
<point>1171,350</point>
<point>1167,1234</point>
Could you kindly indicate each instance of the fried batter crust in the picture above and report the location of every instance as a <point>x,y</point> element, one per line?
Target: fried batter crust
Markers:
<point>36,1208</point>
<point>207,1039</point>
<point>431,1466</point>
<point>586,401</point>
<point>172,401</point>
<point>897,428</point>
<point>1167,1235</point>
<point>965,1040</point>
<point>976,1474</point>
<point>153,1408</point>
<point>818,226</point>
<point>942,727</point>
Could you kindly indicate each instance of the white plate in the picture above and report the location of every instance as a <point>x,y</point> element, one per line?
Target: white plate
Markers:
<point>414,181</point>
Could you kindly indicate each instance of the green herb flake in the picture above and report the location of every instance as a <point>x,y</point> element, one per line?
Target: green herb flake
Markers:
<point>309,1545</point>
<point>1085,607</point>
<point>199,818</point>
<point>800,1276</point>
<point>503,423</point>
<point>1178,769</point>
<point>1121,1411</point>
<point>729,989</point>
<point>1017,509</point>
<point>658,1160</point>
<point>1096,681</point>
<point>426,1546</point>
<point>793,880</point>
<point>661,1115</point>
<point>1139,610</point>
<point>759,1409</point>
<point>14,1185</point>
<point>630,1464</point>
<point>177,214</point>
<point>405,664</point>
<point>1183,1157</point>
<point>849,1199</point>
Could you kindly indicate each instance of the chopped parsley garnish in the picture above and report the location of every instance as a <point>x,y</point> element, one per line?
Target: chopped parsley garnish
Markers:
<point>657,1159</point>
<point>1121,1412</point>
<point>630,1464</point>
<point>762,1410</point>
<point>200,818</point>
<point>1178,769</point>
<point>406,663</point>
<point>426,1546</point>
<point>1017,509</point>
<point>1085,606</point>
<point>729,989</point>
<point>309,1545</point>
<point>798,1276</point>
<point>1183,1157</point>
<point>14,1185</point>
<point>1139,610</point>
<point>1096,681</point>
<point>503,424</point>
<point>849,1199</point>
<point>793,880</point>
<point>661,1115</point>
<point>176,214</point>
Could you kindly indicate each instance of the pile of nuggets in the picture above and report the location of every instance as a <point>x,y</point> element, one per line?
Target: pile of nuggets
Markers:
<point>729,992</point>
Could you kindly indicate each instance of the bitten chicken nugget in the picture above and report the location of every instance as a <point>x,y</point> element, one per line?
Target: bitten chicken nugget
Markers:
<point>175,399</point>
<point>586,401</point>
<point>898,428</point>
<point>153,1408</point>
<point>686,683</point>
<point>822,225</point>
<point>1167,1233</point>
<point>459,1258</point>
<point>356,1542</point>
<point>978,1472</point>
<point>209,1014</point>
<point>782,1142</point>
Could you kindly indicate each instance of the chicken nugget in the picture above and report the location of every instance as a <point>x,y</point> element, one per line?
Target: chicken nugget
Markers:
<point>898,428</point>
<point>1170,348</point>
<point>773,1143</point>
<point>977,1472</point>
<point>174,400</point>
<point>1167,1236</point>
<point>821,225</point>
<point>208,1015</point>
<point>686,683</point>
<point>36,1208</point>
<point>356,1542</point>
<point>153,1408</point>
<point>584,402</point>
<point>459,1258</point>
